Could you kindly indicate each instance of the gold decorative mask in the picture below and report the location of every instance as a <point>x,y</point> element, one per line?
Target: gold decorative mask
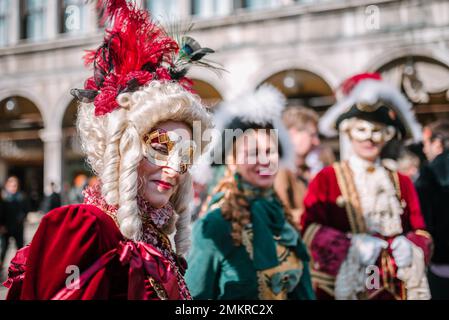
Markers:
<point>167,149</point>
<point>362,130</point>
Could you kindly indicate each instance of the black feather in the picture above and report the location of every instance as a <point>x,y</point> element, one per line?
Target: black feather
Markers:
<point>86,96</point>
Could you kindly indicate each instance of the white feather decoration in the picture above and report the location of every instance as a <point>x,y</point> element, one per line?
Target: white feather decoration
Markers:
<point>262,107</point>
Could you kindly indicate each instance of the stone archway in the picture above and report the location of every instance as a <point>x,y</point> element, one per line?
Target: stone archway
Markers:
<point>21,145</point>
<point>303,88</point>
<point>208,93</point>
<point>424,81</point>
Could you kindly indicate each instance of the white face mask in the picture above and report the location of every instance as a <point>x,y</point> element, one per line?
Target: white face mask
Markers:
<point>362,130</point>
<point>167,149</point>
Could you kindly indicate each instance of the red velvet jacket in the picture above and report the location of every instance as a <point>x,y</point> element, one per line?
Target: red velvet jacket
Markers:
<point>331,215</point>
<point>83,237</point>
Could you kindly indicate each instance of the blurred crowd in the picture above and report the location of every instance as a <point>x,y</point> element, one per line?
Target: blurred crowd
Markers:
<point>426,163</point>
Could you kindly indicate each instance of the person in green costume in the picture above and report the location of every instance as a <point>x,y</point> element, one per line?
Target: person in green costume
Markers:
<point>245,246</point>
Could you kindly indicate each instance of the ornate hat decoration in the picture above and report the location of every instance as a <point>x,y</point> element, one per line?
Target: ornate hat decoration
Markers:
<point>135,51</point>
<point>368,97</point>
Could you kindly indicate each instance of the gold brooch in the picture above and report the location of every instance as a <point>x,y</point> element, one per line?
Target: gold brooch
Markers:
<point>370,169</point>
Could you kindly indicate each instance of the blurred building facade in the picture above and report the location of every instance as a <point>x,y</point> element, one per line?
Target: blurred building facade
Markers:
<point>304,47</point>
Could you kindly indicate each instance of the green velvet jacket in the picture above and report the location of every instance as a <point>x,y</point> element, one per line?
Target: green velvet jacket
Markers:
<point>266,266</point>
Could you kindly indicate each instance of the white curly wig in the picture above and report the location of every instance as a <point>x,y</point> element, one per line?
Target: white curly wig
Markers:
<point>114,148</point>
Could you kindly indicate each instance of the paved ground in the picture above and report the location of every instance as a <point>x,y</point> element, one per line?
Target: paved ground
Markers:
<point>31,225</point>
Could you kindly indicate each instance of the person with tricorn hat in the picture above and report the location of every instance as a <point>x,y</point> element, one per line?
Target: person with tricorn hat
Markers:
<point>363,223</point>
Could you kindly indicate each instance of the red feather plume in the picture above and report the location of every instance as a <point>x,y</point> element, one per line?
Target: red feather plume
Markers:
<point>349,84</point>
<point>135,51</point>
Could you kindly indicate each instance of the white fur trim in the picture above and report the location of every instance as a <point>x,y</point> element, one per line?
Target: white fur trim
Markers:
<point>414,276</point>
<point>351,276</point>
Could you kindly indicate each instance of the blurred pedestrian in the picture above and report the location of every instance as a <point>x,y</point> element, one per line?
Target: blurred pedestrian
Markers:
<point>14,209</point>
<point>3,230</point>
<point>319,158</point>
<point>76,192</point>
<point>291,185</point>
<point>52,200</point>
<point>433,190</point>
<point>409,164</point>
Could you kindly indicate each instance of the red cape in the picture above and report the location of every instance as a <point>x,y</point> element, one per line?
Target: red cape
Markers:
<point>83,237</point>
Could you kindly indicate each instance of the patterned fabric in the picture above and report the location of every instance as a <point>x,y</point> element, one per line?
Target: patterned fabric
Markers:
<point>379,200</point>
<point>268,222</point>
<point>152,220</point>
<point>272,243</point>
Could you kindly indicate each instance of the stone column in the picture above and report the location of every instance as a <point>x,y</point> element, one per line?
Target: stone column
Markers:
<point>52,140</point>
<point>14,23</point>
<point>51,18</point>
<point>185,9</point>
<point>3,171</point>
<point>91,17</point>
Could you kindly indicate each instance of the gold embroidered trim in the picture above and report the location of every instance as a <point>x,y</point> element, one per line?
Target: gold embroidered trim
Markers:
<point>354,198</point>
<point>397,184</point>
<point>310,233</point>
<point>112,216</point>
<point>261,287</point>
<point>323,281</point>
<point>247,241</point>
<point>388,279</point>
<point>320,281</point>
<point>352,204</point>
<point>394,177</point>
<point>158,288</point>
<point>322,275</point>
<point>329,290</point>
<point>423,233</point>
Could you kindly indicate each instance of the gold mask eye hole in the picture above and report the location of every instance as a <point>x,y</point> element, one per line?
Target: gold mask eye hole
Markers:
<point>183,168</point>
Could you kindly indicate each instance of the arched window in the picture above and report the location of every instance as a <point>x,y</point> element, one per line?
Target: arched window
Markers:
<point>21,148</point>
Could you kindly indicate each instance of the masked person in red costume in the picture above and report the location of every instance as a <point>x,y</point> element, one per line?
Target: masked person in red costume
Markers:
<point>363,224</point>
<point>135,124</point>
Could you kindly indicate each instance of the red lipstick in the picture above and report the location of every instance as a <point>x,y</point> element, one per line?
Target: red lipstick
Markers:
<point>163,184</point>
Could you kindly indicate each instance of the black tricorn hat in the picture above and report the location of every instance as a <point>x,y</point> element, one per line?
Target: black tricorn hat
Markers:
<point>376,101</point>
<point>380,113</point>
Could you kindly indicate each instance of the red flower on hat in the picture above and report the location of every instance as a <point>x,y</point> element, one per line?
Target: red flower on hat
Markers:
<point>162,74</point>
<point>105,101</point>
<point>131,55</point>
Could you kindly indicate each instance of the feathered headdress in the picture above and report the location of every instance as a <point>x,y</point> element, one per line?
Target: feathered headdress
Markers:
<point>135,51</point>
<point>260,108</point>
